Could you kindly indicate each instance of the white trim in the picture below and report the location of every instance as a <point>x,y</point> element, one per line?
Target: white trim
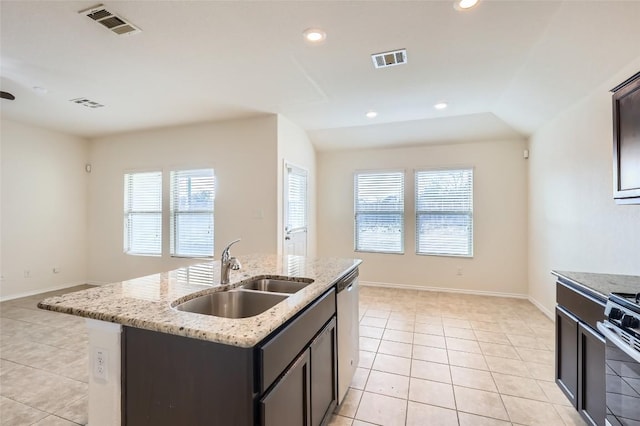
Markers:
<point>42,290</point>
<point>544,310</point>
<point>443,289</point>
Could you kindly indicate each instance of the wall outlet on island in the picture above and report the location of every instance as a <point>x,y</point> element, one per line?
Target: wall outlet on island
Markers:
<point>100,363</point>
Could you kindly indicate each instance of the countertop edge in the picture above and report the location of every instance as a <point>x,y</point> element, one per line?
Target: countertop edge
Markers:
<point>243,340</point>
<point>598,296</point>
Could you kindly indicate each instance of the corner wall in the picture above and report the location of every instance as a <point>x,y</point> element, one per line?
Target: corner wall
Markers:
<point>499,265</point>
<point>574,224</point>
<point>44,210</point>
<point>242,154</point>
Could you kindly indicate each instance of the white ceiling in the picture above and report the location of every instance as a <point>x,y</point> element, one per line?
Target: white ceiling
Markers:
<point>504,67</point>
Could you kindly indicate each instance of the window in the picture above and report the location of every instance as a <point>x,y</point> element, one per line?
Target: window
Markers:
<point>191,219</point>
<point>379,212</point>
<point>143,213</point>
<point>444,212</point>
<point>296,199</point>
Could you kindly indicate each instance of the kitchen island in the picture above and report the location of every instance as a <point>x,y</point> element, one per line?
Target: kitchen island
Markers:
<point>153,364</point>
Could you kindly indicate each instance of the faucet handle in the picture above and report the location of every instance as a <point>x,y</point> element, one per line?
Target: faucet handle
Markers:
<point>225,252</point>
<point>234,264</point>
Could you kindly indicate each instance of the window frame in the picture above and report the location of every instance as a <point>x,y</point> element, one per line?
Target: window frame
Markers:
<point>400,214</point>
<point>470,214</point>
<point>173,225</point>
<point>128,212</point>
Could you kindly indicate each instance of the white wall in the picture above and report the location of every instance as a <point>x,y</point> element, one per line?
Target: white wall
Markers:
<point>499,264</point>
<point>574,223</point>
<point>44,209</point>
<point>295,147</point>
<point>243,154</point>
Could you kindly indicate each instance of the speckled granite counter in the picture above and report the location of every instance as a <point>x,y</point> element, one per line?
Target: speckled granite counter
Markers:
<point>599,285</point>
<point>146,302</point>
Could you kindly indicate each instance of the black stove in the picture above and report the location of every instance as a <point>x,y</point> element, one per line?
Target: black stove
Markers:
<point>621,329</point>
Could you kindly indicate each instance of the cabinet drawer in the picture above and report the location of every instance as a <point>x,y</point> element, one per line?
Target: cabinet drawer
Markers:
<point>282,349</point>
<point>589,310</point>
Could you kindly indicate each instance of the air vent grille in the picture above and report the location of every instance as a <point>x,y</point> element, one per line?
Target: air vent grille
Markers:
<point>86,102</point>
<point>111,21</point>
<point>389,59</point>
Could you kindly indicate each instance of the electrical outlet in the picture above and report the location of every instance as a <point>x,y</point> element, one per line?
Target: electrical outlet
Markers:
<point>100,363</point>
<point>27,273</point>
<point>459,272</point>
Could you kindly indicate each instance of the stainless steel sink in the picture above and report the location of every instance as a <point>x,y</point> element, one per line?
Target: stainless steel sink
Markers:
<point>276,285</point>
<point>232,304</point>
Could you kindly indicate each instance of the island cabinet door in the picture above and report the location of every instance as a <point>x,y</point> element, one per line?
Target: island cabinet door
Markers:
<point>323,374</point>
<point>288,401</point>
<point>567,354</point>
<point>591,380</point>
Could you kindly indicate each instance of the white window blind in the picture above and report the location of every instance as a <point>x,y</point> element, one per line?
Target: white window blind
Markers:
<point>191,217</point>
<point>143,213</point>
<point>297,199</point>
<point>444,212</point>
<point>379,212</point>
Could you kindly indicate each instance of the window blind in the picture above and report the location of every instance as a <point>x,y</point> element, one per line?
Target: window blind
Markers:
<point>191,213</point>
<point>444,212</point>
<point>297,199</point>
<point>379,212</point>
<point>143,213</point>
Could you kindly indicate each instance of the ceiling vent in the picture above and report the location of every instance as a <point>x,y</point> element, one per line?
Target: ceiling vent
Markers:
<point>389,59</point>
<point>86,102</point>
<point>109,20</point>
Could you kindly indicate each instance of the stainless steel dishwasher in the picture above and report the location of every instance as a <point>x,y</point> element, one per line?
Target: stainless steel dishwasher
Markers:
<point>348,331</point>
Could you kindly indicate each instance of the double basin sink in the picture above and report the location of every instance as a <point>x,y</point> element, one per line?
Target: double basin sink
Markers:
<point>249,299</point>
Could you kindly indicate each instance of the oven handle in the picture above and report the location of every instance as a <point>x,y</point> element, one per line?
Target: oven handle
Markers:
<point>609,334</point>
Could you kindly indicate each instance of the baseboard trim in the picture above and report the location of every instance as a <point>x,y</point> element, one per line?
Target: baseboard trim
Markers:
<point>40,291</point>
<point>443,289</point>
<point>544,310</point>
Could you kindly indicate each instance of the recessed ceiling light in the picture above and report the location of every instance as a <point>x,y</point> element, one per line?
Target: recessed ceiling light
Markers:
<point>440,105</point>
<point>371,114</point>
<point>465,4</point>
<point>314,35</point>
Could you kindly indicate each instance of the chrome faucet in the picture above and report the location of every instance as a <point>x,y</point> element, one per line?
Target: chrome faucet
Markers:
<point>227,263</point>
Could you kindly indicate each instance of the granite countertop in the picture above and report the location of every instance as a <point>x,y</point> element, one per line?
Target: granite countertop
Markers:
<point>146,302</point>
<point>600,285</point>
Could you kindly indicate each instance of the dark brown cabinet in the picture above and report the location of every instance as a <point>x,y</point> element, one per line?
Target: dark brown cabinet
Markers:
<point>287,403</point>
<point>324,386</point>
<point>567,354</point>
<point>306,393</point>
<point>591,384</point>
<point>580,352</point>
<point>626,141</point>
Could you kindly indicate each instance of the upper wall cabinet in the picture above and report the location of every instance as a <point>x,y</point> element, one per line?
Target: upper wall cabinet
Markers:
<point>626,141</point>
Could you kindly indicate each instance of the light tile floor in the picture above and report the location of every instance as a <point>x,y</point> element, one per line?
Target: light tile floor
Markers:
<point>440,359</point>
<point>426,359</point>
<point>43,365</point>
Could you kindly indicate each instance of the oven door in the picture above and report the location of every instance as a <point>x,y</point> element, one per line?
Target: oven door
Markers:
<point>622,378</point>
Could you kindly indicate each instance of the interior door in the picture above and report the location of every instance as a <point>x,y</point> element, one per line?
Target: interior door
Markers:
<point>295,215</point>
